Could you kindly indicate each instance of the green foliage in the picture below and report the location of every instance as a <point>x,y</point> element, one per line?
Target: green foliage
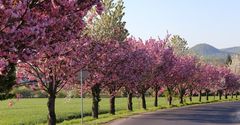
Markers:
<point>179,45</point>
<point>109,25</point>
<point>28,93</point>
<point>61,95</point>
<point>23,91</point>
<point>235,66</point>
<point>228,60</point>
<point>7,81</point>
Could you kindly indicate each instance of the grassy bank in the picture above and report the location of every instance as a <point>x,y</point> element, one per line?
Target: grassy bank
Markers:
<point>33,111</point>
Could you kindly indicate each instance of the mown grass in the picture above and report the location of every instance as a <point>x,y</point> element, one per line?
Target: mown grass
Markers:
<point>34,111</point>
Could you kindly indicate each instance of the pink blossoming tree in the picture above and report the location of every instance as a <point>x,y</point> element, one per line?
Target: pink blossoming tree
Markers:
<point>43,36</point>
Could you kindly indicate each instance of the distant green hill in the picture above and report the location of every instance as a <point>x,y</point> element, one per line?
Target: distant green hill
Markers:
<point>209,51</point>
<point>232,50</point>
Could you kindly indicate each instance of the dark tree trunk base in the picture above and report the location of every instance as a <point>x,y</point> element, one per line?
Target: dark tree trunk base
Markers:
<point>190,96</point>
<point>169,96</point>
<point>156,98</point>
<point>170,100</point>
<point>207,95</point>
<point>130,107</point>
<point>144,106</point>
<point>181,94</point>
<point>181,99</point>
<point>51,109</point>
<point>112,105</point>
<point>200,96</point>
<point>95,100</point>
<point>226,96</point>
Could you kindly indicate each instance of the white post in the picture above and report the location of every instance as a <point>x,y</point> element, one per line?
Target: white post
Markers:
<point>81,80</point>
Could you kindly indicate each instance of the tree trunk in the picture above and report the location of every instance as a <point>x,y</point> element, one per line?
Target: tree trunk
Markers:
<point>169,96</point>
<point>130,104</point>
<point>95,100</point>
<point>156,98</point>
<point>214,95</point>
<point>200,96</point>
<point>220,94</point>
<point>181,94</point>
<point>232,95</point>
<point>226,95</point>
<point>170,100</point>
<point>207,94</point>
<point>7,81</point>
<point>190,95</point>
<point>181,100</point>
<point>144,106</point>
<point>112,105</point>
<point>236,94</point>
<point>51,108</point>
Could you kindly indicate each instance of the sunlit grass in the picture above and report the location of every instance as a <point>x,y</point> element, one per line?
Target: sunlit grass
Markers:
<point>34,111</point>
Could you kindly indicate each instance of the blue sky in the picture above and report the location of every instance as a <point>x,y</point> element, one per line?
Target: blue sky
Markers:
<point>216,22</point>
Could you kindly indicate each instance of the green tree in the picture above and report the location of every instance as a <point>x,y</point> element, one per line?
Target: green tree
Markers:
<point>228,60</point>
<point>7,81</point>
<point>235,66</point>
<point>228,63</point>
<point>109,25</point>
<point>179,44</point>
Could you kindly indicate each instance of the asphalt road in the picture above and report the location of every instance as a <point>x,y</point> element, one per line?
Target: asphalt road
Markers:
<point>227,113</point>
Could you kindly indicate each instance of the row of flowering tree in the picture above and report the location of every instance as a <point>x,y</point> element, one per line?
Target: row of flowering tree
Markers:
<point>136,66</point>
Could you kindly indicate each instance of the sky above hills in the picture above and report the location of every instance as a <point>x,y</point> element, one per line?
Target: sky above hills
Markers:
<point>216,22</point>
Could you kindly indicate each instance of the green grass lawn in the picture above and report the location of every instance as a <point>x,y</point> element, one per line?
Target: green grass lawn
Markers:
<point>34,111</point>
